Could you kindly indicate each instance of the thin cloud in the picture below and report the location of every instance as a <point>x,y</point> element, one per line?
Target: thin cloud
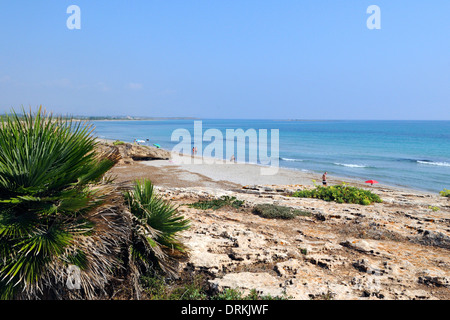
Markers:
<point>103,87</point>
<point>5,79</point>
<point>135,86</point>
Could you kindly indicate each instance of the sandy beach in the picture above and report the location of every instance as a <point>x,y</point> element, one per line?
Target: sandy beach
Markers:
<point>185,172</point>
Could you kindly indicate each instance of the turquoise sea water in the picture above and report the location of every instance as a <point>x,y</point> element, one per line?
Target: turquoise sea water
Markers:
<point>414,154</point>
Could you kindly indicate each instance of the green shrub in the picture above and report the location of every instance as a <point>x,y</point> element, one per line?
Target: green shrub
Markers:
<point>157,287</point>
<point>216,204</point>
<point>340,194</point>
<point>118,143</point>
<point>303,251</point>
<point>445,193</point>
<point>272,211</point>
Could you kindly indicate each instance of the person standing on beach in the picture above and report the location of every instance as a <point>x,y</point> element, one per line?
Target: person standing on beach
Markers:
<point>324,179</point>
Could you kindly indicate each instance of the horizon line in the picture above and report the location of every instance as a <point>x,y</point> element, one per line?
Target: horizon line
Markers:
<point>143,118</point>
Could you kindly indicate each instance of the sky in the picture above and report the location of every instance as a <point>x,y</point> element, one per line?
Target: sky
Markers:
<point>243,59</point>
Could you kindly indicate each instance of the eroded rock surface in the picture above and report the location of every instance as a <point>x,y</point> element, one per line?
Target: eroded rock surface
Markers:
<point>397,249</point>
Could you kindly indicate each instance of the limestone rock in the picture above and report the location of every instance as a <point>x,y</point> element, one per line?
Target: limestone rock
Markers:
<point>130,152</point>
<point>142,153</point>
<point>357,252</point>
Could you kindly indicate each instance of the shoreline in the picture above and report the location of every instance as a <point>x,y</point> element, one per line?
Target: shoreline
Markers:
<point>245,174</point>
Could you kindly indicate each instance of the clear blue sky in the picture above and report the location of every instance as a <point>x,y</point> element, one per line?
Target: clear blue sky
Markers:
<point>302,59</point>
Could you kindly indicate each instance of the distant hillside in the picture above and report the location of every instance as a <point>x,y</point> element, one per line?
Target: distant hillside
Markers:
<point>96,118</point>
<point>130,118</point>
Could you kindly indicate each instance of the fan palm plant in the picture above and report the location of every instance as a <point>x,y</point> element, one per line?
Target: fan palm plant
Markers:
<point>155,228</point>
<point>55,208</point>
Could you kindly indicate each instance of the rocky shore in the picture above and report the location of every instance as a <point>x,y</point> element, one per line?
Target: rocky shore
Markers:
<point>395,250</point>
<point>398,249</point>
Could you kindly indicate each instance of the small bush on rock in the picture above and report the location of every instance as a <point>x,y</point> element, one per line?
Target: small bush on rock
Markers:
<point>272,211</point>
<point>217,203</point>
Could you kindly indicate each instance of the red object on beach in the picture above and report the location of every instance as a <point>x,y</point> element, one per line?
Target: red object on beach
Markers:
<point>371,181</point>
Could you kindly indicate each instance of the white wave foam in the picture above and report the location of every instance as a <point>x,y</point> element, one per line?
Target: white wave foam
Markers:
<point>289,159</point>
<point>350,165</point>
<point>441,164</point>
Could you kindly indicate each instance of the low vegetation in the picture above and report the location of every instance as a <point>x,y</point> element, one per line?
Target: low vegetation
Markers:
<point>118,143</point>
<point>216,204</point>
<point>272,211</point>
<point>445,193</point>
<point>158,288</point>
<point>340,194</point>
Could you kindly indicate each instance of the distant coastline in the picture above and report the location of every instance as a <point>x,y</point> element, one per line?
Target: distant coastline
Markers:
<point>114,118</point>
<point>129,118</point>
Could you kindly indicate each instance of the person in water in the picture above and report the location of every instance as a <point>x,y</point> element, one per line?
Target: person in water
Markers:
<point>324,179</point>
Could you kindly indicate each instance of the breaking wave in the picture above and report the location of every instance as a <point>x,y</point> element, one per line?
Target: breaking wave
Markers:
<point>350,165</point>
<point>432,163</point>
<point>292,160</point>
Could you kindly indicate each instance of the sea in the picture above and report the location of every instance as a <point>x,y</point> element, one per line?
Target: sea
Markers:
<point>411,154</point>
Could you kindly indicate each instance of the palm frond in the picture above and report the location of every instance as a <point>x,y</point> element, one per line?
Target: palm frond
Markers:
<point>157,224</point>
<point>54,210</point>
